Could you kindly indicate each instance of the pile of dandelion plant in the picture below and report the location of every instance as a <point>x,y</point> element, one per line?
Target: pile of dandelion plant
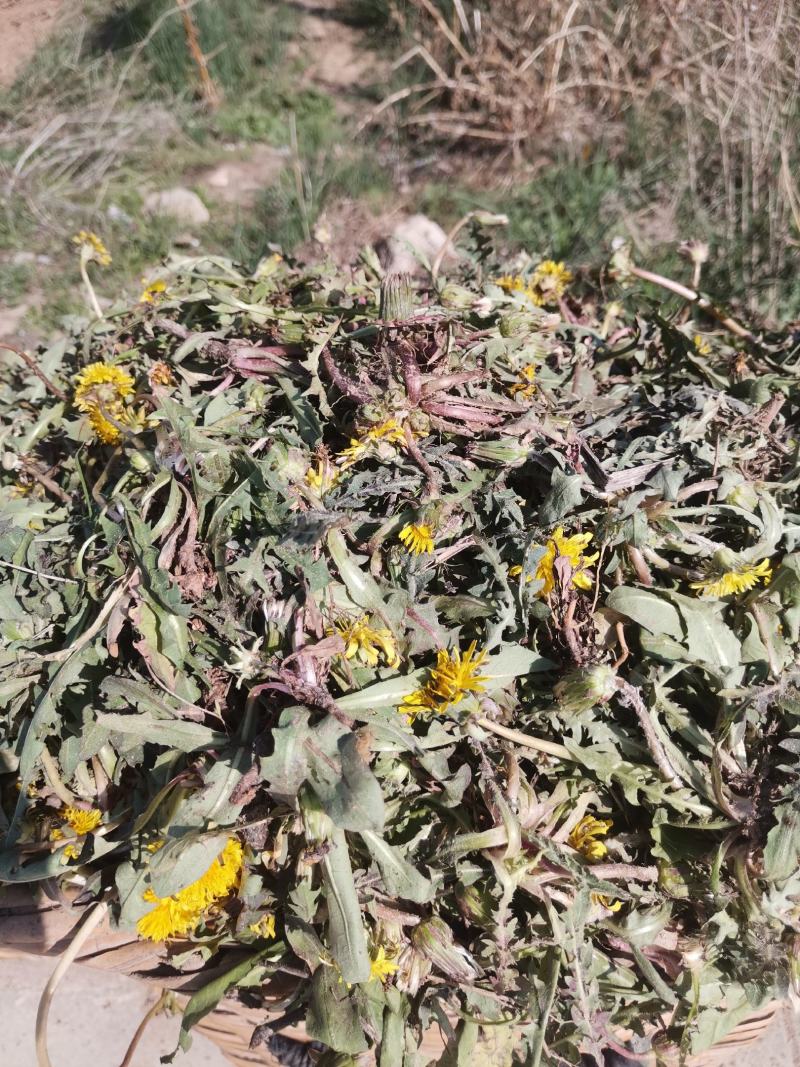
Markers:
<point>432,649</point>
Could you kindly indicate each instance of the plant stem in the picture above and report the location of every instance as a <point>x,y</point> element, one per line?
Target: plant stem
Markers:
<point>45,480</point>
<point>159,1006</point>
<point>639,565</point>
<point>630,695</point>
<point>343,383</point>
<point>297,171</point>
<point>51,774</point>
<point>550,990</point>
<point>39,574</point>
<point>26,359</point>
<point>610,871</point>
<point>90,289</point>
<point>448,244</point>
<point>431,481</point>
<point>693,297</point>
<point>549,747</point>
<point>74,947</point>
<point>652,977</point>
<point>207,86</point>
<point>670,568</point>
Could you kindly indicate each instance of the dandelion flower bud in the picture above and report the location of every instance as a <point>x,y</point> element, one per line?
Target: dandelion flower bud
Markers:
<point>585,688</point>
<point>434,940</point>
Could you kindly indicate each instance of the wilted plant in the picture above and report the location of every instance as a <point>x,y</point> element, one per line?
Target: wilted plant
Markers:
<point>436,696</point>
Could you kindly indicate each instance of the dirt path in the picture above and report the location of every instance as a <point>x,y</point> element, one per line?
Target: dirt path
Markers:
<point>338,59</point>
<point>24,24</point>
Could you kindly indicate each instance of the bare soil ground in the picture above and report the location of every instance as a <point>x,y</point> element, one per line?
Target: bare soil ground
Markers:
<point>24,24</point>
<point>93,1018</point>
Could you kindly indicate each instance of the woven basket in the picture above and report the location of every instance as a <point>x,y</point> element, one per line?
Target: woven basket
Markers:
<point>727,1051</point>
<point>33,925</point>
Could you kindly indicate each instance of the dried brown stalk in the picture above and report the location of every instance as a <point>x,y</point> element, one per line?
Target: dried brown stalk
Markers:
<point>31,365</point>
<point>208,89</point>
<point>695,298</point>
<point>342,382</point>
<point>45,480</point>
<point>70,954</point>
<point>631,696</point>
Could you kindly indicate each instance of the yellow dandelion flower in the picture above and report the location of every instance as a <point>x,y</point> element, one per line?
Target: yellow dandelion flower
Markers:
<point>167,919</point>
<point>154,846</point>
<point>100,392</point>
<point>152,291</point>
<point>730,582</point>
<point>561,547</point>
<point>583,837</point>
<point>92,248</point>
<point>268,266</point>
<point>366,642</point>
<point>525,387</point>
<point>702,346</point>
<point>71,852</point>
<point>548,283</point>
<point>512,283</point>
<point>456,674</point>
<point>390,431</point>
<point>220,878</point>
<point>179,914</point>
<point>265,927</point>
<point>420,702</point>
<point>323,479</point>
<point>382,965</point>
<point>605,902</point>
<point>101,381</point>
<point>56,834</point>
<point>417,537</point>
<point>108,430</point>
<point>356,451</point>
<point>81,821</point>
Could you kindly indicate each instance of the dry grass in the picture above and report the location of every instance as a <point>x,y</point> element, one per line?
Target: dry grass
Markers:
<point>64,158</point>
<point>712,82</point>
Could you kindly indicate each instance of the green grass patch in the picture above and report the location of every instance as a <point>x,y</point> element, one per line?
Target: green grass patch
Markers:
<point>244,41</point>
<point>573,210</point>
<point>15,280</point>
<point>285,216</point>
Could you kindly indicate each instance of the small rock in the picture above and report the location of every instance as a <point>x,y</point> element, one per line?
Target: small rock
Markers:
<point>413,238</point>
<point>186,240</point>
<point>180,204</point>
<point>322,231</point>
<point>240,181</point>
<point>11,319</point>
<point>116,214</point>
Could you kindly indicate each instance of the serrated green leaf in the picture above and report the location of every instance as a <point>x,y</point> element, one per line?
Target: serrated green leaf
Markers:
<point>347,789</point>
<point>564,496</point>
<point>173,733</point>
<point>401,878</point>
<point>332,1015</point>
<point>348,941</point>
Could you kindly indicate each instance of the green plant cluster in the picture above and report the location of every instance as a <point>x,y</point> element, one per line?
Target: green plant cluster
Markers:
<point>414,656</point>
